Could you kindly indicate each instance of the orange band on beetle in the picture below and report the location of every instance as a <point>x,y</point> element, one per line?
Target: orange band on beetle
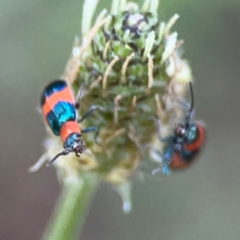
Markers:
<point>64,95</point>
<point>177,162</point>
<point>69,128</point>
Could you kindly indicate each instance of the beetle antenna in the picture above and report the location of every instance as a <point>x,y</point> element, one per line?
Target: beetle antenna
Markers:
<point>192,97</point>
<point>189,115</point>
<point>64,152</point>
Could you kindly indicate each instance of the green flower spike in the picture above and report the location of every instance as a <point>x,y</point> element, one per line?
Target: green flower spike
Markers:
<point>128,64</point>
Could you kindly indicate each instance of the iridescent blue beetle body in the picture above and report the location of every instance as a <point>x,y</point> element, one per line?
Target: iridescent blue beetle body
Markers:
<point>59,111</point>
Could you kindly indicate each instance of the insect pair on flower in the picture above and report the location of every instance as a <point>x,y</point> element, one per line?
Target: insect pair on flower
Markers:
<point>59,107</point>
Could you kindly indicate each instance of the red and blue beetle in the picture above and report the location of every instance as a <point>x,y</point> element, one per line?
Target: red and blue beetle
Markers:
<point>59,110</point>
<point>182,147</point>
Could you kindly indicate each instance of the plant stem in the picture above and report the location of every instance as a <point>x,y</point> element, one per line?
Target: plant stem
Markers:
<point>70,210</point>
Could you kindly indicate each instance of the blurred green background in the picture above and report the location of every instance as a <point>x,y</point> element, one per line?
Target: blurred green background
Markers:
<point>200,203</point>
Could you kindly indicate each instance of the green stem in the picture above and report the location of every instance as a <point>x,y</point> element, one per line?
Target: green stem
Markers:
<point>70,210</point>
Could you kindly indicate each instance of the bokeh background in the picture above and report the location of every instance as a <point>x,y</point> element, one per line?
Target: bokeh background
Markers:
<point>201,203</point>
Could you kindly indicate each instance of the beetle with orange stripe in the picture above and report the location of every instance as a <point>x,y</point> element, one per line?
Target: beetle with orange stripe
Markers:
<point>182,147</point>
<point>59,110</point>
